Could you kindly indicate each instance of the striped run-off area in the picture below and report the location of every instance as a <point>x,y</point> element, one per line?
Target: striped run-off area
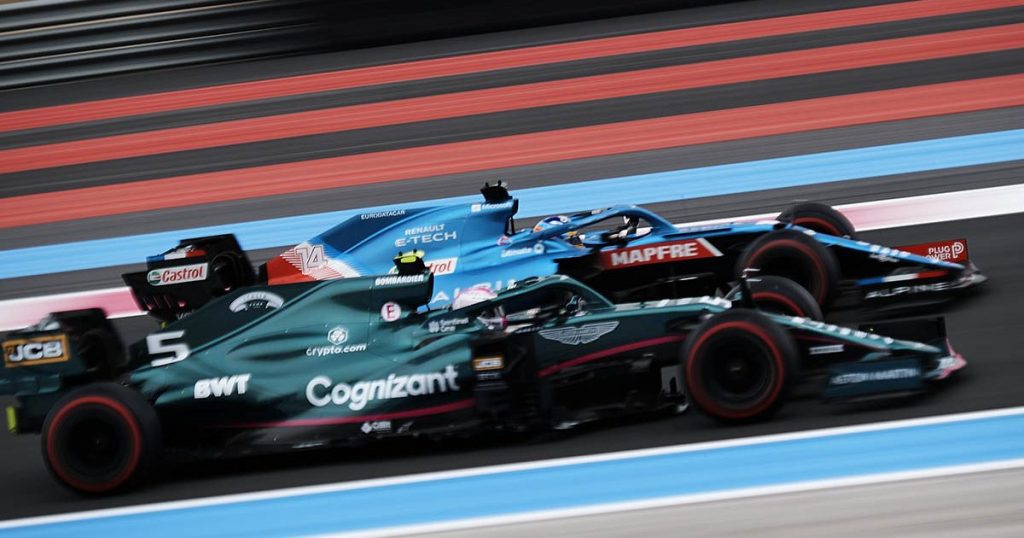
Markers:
<point>906,114</point>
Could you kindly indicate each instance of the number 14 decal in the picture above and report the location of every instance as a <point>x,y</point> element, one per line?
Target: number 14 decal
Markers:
<point>310,257</point>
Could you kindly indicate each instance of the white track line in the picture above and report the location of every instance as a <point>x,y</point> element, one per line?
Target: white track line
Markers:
<point>512,467</point>
<point>892,213</point>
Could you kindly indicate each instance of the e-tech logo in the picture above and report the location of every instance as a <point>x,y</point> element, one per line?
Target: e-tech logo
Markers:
<point>221,386</point>
<point>688,249</point>
<point>177,275</point>
<point>432,233</point>
<point>322,391</point>
<point>36,350</point>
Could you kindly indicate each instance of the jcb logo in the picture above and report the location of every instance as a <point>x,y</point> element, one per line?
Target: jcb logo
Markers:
<point>36,350</point>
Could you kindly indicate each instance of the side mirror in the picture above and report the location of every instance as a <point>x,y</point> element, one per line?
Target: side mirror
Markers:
<point>572,307</point>
<point>746,297</point>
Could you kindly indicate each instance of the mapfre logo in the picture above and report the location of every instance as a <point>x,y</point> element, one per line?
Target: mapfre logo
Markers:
<point>36,350</point>
<point>177,275</point>
<point>688,249</point>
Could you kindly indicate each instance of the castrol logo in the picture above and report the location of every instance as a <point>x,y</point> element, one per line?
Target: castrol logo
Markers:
<point>177,275</point>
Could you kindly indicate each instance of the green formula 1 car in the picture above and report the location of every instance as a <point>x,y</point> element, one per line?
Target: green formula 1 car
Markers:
<point>343,361</point>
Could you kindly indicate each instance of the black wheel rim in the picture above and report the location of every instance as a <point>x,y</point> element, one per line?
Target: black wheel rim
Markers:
<point>95,447</point>
<point>738,370</point>
<point>792,267</point>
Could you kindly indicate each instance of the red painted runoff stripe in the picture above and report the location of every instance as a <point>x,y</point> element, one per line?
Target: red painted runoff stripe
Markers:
<point>517,150</point>
<point>487,61</point>
<point>515,97</point>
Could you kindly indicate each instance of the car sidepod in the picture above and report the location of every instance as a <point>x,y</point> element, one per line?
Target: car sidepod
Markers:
<point>338,362</point>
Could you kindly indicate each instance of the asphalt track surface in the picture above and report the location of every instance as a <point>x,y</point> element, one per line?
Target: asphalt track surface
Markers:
<point>984,328</point>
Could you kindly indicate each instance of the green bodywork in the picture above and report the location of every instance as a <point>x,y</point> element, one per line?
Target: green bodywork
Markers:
<point>361,354</point>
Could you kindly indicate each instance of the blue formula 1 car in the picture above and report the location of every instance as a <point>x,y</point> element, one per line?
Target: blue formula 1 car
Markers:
<point>626,252</point>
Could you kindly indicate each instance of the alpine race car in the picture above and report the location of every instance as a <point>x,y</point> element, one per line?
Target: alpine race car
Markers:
<point>339,362</point>
<point>626,252</point>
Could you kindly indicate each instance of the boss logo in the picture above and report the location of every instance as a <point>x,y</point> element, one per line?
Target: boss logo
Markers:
<point>36,350</point>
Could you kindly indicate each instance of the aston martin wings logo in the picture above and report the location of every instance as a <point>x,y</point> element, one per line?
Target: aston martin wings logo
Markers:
<point>584,334</point>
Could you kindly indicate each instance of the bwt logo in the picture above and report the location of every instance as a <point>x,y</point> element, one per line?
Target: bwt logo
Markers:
<point>222,386</point>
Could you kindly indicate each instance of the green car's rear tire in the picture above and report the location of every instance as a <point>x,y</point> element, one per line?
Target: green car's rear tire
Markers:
<point>101,438</point>
<point>739,366</point>
<point>780,295</point>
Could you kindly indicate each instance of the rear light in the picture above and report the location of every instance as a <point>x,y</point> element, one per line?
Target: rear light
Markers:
<point>484,364</point>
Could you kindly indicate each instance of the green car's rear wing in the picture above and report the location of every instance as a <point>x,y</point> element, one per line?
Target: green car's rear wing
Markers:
<point>64,350</point>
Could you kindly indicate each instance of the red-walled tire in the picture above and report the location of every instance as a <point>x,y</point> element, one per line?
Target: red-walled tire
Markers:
<point>780,295</point>
<point>739,366</point>
<point>820,218</point>
<point>794,255</point>
<point>101,438</point>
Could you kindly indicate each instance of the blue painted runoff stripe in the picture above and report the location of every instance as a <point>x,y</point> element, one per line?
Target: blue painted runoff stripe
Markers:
<point>830,456</point>
<point>658,187</point>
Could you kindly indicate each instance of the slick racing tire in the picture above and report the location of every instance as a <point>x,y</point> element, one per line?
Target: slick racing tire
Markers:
<point>101,438</point>
<point>780,295</point>
<point>794,255</point>
<point>739,366</point>
<point>820,218</point>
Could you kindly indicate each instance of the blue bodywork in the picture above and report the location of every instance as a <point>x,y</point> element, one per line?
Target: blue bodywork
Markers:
<point>476,244</point>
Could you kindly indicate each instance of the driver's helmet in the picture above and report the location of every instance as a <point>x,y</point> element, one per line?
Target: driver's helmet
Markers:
<point>550,222</point>
<point>493,318</point>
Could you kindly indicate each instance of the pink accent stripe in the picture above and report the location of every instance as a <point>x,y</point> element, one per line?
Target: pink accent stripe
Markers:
<point>436,410</point>
<point>611,351</point>
<point>18,313</point>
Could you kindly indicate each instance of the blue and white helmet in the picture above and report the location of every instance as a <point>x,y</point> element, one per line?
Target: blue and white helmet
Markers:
<point>550,222</point>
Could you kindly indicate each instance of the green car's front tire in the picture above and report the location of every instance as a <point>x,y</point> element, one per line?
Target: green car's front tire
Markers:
<point>739,366</point>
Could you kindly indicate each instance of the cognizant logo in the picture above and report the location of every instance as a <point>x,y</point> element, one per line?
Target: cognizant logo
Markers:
<point>322,391</point>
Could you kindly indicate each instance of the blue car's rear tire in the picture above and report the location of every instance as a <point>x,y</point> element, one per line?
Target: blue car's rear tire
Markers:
<point>797,256</point>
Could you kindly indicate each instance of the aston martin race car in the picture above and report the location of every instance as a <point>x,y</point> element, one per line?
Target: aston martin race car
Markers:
<point>342,361</point>
<point>626,252</point>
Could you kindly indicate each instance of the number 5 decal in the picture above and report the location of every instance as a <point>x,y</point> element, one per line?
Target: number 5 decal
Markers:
<point>156,344</point>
